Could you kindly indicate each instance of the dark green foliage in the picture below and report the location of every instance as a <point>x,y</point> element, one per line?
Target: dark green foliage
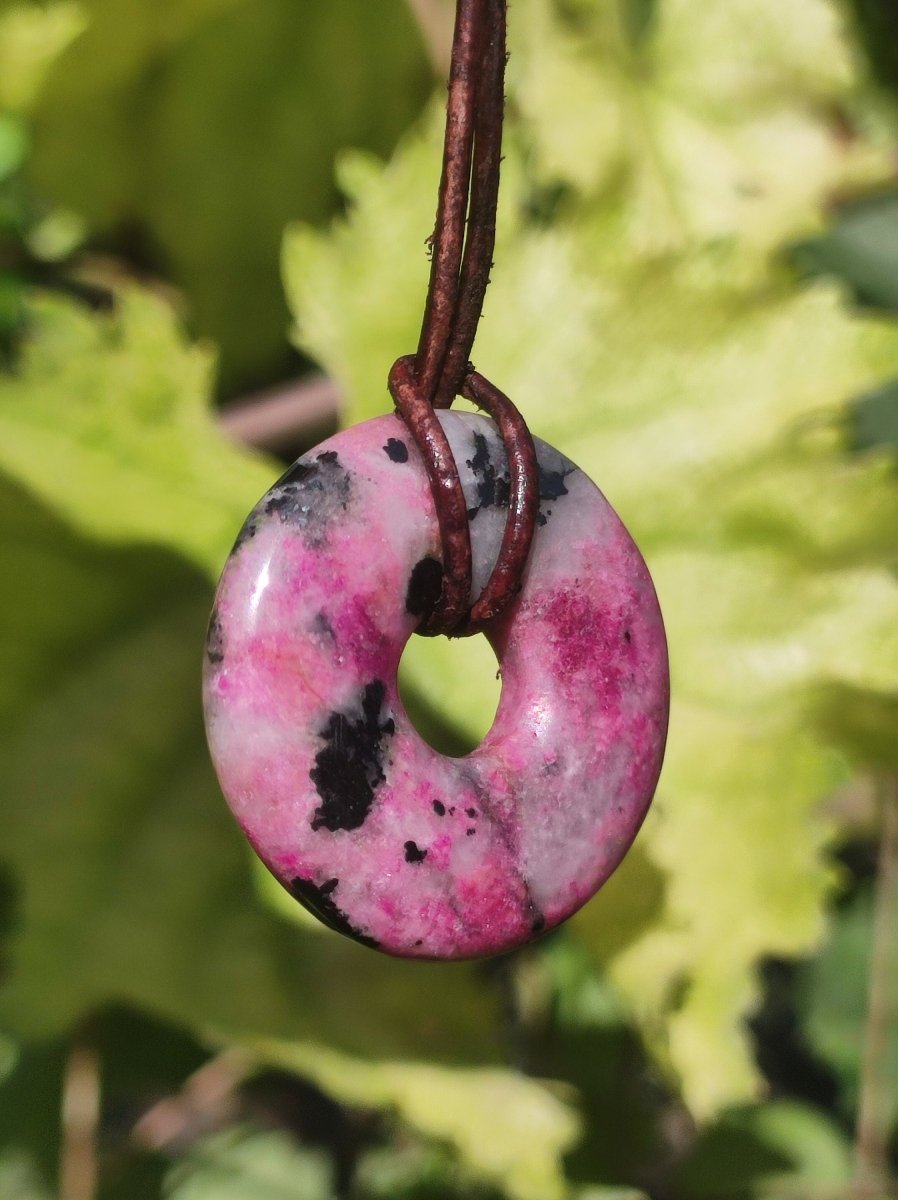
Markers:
<point>862,249</point>
<point>244,103</point>
<point>877,25</point>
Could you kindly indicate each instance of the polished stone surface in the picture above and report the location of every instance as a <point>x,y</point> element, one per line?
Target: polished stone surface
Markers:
<point>375,832</point>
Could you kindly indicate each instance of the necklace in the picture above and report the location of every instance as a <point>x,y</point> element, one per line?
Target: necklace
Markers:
<point>439,522</point>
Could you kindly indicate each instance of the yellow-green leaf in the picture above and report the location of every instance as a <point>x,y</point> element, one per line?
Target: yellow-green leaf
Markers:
<point>32,36</point>
<point>107,421</point>
<point>510,1130</point>
<point>722,121</point>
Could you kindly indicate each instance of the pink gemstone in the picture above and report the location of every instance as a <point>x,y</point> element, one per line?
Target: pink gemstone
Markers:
<point>375,832</point>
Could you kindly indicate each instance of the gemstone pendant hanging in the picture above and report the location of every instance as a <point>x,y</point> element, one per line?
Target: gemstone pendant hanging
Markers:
<point>360,819</point>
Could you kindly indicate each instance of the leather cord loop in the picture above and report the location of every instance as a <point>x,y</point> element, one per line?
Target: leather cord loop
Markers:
<point>463,244</point>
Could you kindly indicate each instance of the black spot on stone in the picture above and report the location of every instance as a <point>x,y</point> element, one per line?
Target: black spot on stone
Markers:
<point>396,450</point>
<point>298,473</point>
<point>452,811</point>
<point>317,899</point>
<point>539,924</point>
<point>419,942</point>
<point>424,587</point>
<point>439,808</point>
<point>628,636</point>
<point>413,854</point>
<point>349,767</point>
<point>471,812</point>
<point>470,832</point>
<point>493,487</point>
<point>309,493</point>
<point>285,505</point>
<point>480,463</point>
<point>246,534</point>
<point>542,519</point>
<point>551,483</point>
<point>215,639</point>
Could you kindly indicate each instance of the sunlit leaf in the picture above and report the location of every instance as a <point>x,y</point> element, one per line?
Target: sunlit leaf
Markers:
<point>510,1130</point>
<point>107,420</point>
<point>408,1168</point>
<point>722,120</point>
<point>243,1164</point>
<point>32,36</point>
<point>19,1179</point>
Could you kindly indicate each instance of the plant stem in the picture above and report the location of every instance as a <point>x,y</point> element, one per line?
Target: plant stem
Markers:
<point>78,1168</point>
<point>207,1101</point>
<point>876,1100</point>
<point>286,418</point>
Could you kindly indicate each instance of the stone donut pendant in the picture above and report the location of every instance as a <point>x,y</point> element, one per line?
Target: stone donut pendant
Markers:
<point>376,833</point>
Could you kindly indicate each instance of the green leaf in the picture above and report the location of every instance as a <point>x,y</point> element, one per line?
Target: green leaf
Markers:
<point>30,1119</point>
<point>780,1149</point>
<point>609,1193</point>
<point>578,1031</point>
<point>107,420</point>
<point>417,1170</point>
<point>834,999</point>
<point>876,22</point>
<point>12,308</point>
<point>873,419</point>
<point>243,1164</point>
<point>13,145</point>
<point>196,129</point>
<point>19,1179</point>
<point>862,249</point>
<point>506,1128</point>
<point>720,121</point>
<point>862,721</point>
<point>32,36</point>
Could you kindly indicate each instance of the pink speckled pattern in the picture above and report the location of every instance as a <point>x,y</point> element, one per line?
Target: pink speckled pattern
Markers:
<point>361,820</point>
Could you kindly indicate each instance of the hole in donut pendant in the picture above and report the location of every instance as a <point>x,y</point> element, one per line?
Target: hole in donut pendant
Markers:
<point>378,834</point>
<point>442,714</point>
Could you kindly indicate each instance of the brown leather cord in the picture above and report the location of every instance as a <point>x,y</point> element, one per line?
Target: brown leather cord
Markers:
<point>463,245</point>
<point>427,433</point>
<point>481,239</point>
<point>523,504</point>
<point>452,206</point>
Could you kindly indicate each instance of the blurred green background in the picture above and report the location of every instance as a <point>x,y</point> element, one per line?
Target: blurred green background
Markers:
<point>694,297</point>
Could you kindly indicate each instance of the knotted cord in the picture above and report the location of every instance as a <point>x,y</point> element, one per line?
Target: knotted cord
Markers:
<point>463,243</point>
